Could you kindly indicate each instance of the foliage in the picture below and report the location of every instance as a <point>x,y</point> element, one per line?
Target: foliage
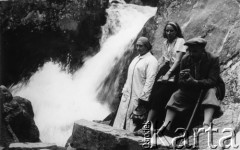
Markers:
<point>34,32</point>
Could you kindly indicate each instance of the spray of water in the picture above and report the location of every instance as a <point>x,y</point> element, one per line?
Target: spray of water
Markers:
<point>60,98</point>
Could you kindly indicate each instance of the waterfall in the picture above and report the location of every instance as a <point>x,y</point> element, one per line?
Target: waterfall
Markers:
<point>60,98</point>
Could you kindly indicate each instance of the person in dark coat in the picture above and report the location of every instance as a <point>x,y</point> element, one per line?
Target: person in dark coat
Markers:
<point>199,70</point>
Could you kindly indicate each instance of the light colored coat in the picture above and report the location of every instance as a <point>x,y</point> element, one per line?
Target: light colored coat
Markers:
<point>141,75</point>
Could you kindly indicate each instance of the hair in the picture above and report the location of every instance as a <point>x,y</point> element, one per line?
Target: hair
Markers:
<point>145,42</point>
<point>176,27</point>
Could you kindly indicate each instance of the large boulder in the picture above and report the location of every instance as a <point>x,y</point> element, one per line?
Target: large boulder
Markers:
<point>17,119</point>
<point>94,136</point>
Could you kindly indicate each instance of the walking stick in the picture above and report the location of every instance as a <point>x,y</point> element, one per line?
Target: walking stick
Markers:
<point>185,134</point>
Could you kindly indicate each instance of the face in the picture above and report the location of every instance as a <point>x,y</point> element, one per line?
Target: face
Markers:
<point>195,52</point>
<point>6,93</point>
<point>141,48</point>
<point>170,32</point>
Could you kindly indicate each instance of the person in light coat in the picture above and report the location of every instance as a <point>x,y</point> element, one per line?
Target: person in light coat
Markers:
<point>141,76</point>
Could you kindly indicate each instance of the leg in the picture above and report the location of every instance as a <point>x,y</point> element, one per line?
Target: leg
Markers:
<point>152,117</point>
<point>210,104</point>
<point>208,114</point>
<point>170,115</point>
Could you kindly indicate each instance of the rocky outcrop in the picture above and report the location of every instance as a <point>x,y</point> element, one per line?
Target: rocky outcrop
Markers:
<point>17,119</point>
<point>93,136</point>
<point>218,22</point>
<point>33,146</point>
<point>102,137</point>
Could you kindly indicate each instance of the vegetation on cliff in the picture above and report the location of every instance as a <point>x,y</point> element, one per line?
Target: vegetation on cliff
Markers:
<point>33,32</point>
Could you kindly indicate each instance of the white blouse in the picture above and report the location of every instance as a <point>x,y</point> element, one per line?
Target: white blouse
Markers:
<point>170,50</point>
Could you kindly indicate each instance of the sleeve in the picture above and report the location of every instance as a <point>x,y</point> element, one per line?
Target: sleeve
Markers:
<point>151,73</point>
<point>126,85</point>
<point>183,65</point>
<point>180,47</point>
<point>213,75</point>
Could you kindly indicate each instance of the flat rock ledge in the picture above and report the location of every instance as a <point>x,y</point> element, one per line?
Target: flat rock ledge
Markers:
<point>94,136</point>
<point>27,145</point>
<point>89,135</point>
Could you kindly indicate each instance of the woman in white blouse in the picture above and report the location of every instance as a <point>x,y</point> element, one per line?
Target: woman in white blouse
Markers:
<point>166,79</point>
<point>141,76</point>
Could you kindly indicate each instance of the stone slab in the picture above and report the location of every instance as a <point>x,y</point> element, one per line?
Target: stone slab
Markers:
<point>32,146</point>
<point>94,136</point>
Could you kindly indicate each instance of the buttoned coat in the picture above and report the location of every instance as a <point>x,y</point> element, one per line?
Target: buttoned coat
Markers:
<point>141,76</point>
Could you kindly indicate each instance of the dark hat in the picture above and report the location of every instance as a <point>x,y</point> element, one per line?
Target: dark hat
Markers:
<point>196,41</point>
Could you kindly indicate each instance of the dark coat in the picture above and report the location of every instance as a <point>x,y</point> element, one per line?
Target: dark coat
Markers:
<point>207,72</point>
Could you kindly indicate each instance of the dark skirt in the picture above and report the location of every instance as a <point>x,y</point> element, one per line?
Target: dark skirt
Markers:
<point>184,100</point>
<point>161,92</point>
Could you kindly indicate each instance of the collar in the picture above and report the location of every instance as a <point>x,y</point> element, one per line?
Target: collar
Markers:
<point>203,58</point>
<point>145,55</point>
<point>174,41</point>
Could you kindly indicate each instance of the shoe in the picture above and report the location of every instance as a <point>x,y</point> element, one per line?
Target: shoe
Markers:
<point>102,122</point>
<point>140,132</point>
<point>146,129</point>
<point>207,126</point>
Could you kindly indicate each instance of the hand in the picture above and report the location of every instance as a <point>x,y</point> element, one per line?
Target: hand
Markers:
<point>191,80</point>
<point>142,107</point>
<point>165,77</point>
<point>184,74</point>
<point>7,107</point>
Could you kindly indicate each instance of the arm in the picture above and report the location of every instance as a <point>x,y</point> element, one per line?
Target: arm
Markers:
<point>151,73</point>
<point>183,66</point>
<point>208,82</point>
<point>213,75</point>
<point>174,66</point>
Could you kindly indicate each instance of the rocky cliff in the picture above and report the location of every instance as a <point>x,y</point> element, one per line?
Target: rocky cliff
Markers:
<point>218,21</point>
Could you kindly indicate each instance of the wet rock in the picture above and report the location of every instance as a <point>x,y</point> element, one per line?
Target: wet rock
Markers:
<point>17,119</point>
<point>94,136</point>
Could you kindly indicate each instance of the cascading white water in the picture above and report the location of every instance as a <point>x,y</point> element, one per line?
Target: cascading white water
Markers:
<point>59,98</point>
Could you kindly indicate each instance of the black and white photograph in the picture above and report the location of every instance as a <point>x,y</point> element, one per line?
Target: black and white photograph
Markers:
<point>120,74</point>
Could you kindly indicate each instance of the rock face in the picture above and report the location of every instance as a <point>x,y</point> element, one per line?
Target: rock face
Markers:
<point>17,124</point>
<point>218,22</point>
